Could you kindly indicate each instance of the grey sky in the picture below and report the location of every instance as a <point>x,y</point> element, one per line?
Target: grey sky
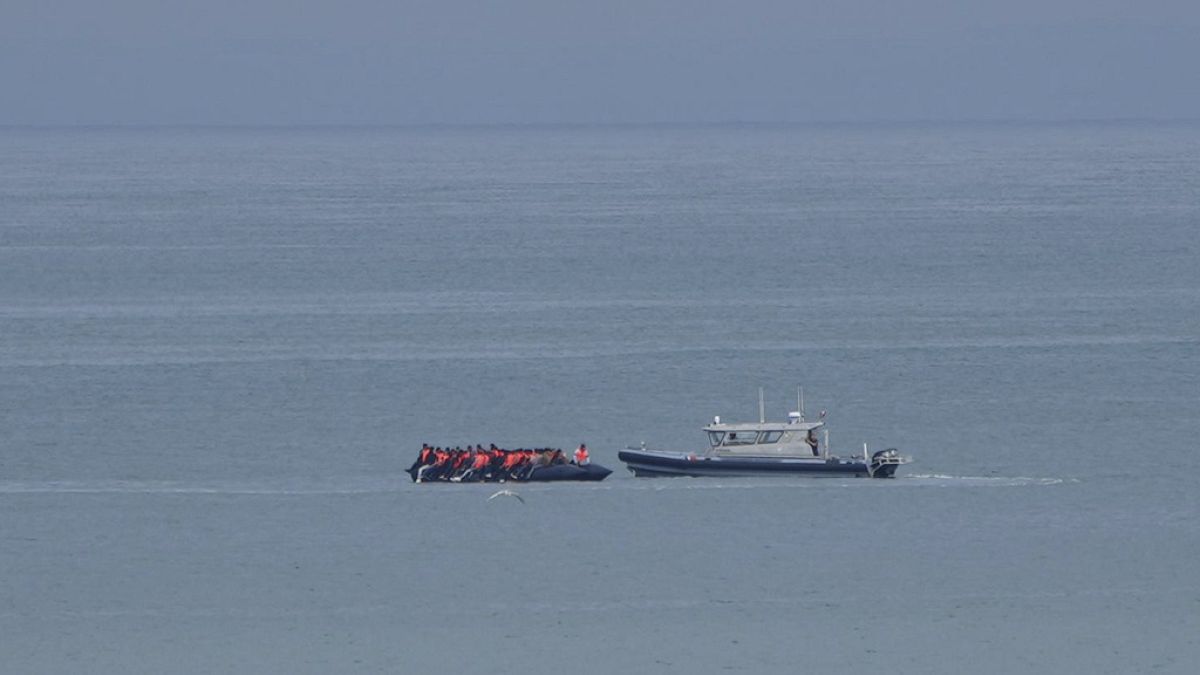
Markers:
<point>533,61</point>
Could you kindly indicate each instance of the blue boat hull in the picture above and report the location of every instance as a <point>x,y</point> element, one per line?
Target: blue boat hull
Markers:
<point>649,463</point>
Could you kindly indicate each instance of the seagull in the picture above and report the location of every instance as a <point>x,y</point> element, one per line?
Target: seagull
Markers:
<point>506,493</point>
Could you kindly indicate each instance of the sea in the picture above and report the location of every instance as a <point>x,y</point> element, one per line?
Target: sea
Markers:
<point>221,347</point>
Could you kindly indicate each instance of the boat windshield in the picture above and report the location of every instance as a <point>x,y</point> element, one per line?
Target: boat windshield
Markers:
<point>717,438</point>
<point>741,438</point>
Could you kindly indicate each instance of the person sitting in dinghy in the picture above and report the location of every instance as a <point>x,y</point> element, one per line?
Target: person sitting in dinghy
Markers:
<point>478,466</point>
<point>423,459</point>
<point>440,466</point>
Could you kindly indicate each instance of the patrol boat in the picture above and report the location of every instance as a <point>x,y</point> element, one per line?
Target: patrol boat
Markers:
<point>797,446</point>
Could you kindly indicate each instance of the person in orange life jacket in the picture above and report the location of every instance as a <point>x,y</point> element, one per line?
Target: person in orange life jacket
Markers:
<point>441,462</point>
<point>472,459</point>
<point>452,461</point>
<point>465,462</point>
<point>496,460</point>
<point>524,463</point>
<point>482,459</point>
<point>424,463</point>
<point>511,462</point>
<point>423,458</point>
<point>581,455</point>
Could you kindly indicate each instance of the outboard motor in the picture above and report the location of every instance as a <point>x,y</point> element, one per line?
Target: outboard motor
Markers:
<point>885,462</point>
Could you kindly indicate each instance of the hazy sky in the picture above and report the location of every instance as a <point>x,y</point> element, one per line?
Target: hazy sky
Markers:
<point>531,61</point>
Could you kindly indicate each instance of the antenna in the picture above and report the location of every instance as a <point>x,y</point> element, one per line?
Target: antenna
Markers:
<point>800,401</point>
<point>762,415</point>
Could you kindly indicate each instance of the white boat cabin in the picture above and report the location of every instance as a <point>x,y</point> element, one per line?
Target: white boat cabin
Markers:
<point>794,438</point>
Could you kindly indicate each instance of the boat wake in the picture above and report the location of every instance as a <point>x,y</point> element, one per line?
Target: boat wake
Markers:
<point>945,480</point>
<point>757,483</point>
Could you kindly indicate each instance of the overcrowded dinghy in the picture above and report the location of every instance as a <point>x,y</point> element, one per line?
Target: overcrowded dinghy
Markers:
<point>477,464</point>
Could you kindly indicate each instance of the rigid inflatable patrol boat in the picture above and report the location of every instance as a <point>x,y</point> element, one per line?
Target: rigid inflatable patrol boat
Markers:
<point>764,448</point>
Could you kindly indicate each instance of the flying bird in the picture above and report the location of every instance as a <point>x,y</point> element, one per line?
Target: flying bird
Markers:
<point>507,493</point>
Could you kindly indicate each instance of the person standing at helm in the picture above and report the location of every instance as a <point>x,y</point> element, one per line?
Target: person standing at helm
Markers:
<point>581,455</point>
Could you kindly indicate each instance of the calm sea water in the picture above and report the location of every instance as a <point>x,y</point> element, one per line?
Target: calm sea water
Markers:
<point>219,349</point>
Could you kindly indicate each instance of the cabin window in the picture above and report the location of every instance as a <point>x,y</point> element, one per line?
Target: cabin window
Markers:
<point>715,437</point>
<point>741,438</point>
<point>769,436</point>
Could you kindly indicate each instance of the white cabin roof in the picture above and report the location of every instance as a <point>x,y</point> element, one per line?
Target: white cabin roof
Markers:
<point>765,426</point>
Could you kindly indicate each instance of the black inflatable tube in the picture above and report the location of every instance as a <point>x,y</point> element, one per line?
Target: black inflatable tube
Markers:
<point>568,472</point>
<point>545,474</point>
